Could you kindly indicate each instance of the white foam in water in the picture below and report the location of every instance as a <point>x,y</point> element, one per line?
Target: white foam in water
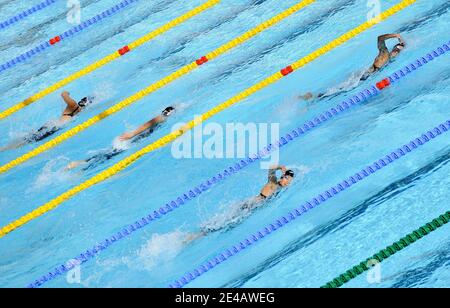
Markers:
<point>52,173</point>
<point>285,110</point>
<point>349,84</point>
<point>17,135</point>
<point>228,215</point>
<point>299,170</point>
<point>162,247</point>
<point>121,145</point>
<point>103,92</point>
<point>182,106</point>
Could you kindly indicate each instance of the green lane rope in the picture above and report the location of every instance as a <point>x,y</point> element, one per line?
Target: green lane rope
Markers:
<point>385,253</point>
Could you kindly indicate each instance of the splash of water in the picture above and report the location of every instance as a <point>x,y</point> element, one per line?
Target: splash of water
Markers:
<point>52,173</point>
<point>300,170</point>
<point>161,248</point>
<point>229,215</point>
<point>347,85</point>
<point>120,145</point>
<point>103,92</point>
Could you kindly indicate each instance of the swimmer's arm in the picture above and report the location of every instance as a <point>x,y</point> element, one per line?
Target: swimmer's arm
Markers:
<point>272,177</point>
<point>383,38</point>
<point>400,39</point>
<point>140,129</point>
<point>71,103</point>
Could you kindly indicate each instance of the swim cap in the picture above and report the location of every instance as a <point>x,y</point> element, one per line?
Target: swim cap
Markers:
<point>399,46</point>
<point>168,111</point>
<point>85,101</point>
<point>289,173</point>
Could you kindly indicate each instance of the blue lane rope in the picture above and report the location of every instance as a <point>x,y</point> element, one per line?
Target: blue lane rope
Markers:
<point>314,202</point>
<point>26,13</point>
<point>67,34</point>
<point>205,186</point>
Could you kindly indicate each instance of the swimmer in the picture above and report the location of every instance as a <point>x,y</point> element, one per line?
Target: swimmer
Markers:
<point>142,132</point>
<point>383,59</point>
<point>72,109</point>
<point>269,190</point>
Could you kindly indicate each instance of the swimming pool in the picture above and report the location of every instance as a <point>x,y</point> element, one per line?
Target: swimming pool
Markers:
<point>306,253</point>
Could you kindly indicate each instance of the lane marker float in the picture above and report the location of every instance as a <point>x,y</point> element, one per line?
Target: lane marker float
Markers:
<point>26,13</point>
<point>67,34</point>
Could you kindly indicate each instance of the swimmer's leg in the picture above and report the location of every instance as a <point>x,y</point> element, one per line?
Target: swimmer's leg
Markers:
<point>74,164</point>
<point>13,146</point>
<point>310,96</point>
<point>306,96</point>
<point>101,158</point>
<point>93,161</point>
<point>193,237</point>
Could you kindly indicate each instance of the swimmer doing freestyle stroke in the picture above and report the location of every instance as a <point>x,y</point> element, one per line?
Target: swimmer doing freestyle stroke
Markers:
<point>271,189</point>
<point>140,133</point>
<point>72,109</point>
<point>383,58</point>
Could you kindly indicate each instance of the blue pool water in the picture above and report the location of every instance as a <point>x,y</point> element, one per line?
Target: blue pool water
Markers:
<point>307,253</point>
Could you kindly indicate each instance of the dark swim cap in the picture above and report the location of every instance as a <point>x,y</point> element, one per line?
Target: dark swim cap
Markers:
<point>289,173</point>
<point>166,112</point>
<point>399,47</point>
<point>85,101</point>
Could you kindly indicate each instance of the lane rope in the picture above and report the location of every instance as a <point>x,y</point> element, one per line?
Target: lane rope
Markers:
<point>155,86</point>
<point>234,169</point>
<point>109,58</point>
<point>440,130</point>
<point>116,168</point>
<point>26,13</point>
<point>390,250</point>
<point>66,35</point>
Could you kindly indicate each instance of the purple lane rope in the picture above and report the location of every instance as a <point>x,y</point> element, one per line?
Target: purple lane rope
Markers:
<point>311,204</point>
<point>65,35</point>
<point>26,13</point>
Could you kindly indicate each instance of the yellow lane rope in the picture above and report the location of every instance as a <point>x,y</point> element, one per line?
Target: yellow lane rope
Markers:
<point>155,86</point>
<point>109,58</point>
<point>104,175</point>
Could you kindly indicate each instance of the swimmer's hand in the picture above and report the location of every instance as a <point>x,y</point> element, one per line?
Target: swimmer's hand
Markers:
<point>126,136</point>
<point>278,167</point>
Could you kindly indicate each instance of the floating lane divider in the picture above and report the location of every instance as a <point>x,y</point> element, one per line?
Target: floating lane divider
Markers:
<point>26,13</point>
<point>66,35</point>
<point>390,250</point>
<point>155,86</point>
<point>109,58</point>
<point>232,170</point>
<point>118,167</point>
<point>314,202</point>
